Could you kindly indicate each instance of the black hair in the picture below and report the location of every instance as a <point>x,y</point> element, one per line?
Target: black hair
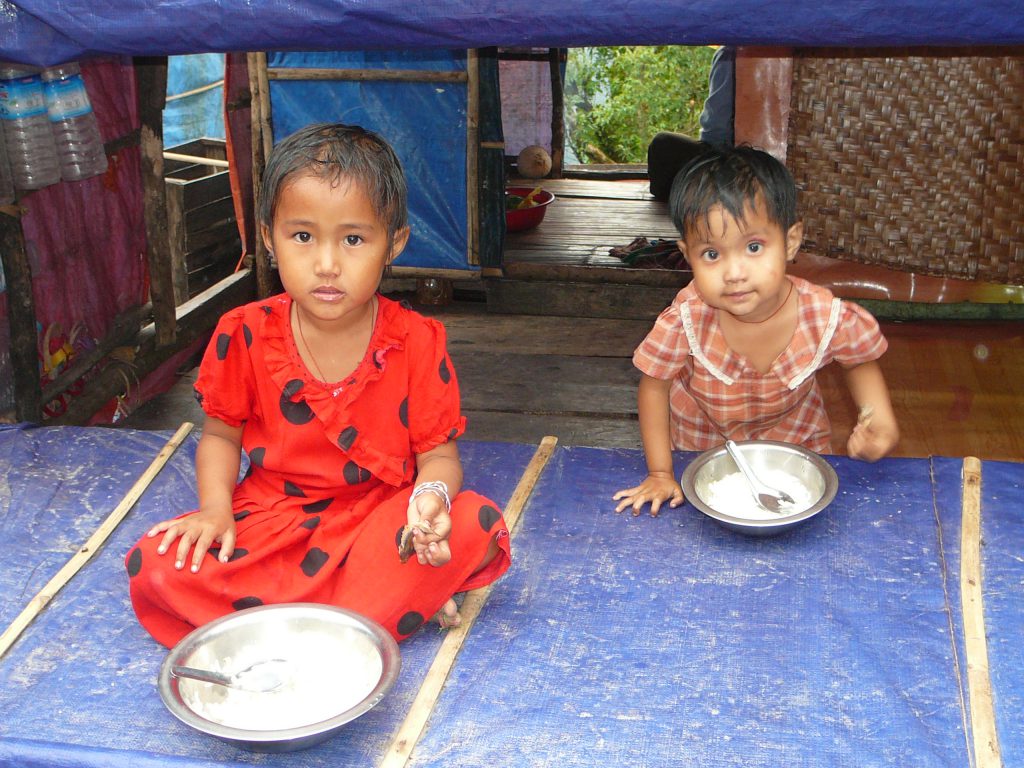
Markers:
<point>333,151</point>
<point>732,177</point>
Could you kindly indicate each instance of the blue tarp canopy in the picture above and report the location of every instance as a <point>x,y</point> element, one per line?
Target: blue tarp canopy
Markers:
<point>44,32</point>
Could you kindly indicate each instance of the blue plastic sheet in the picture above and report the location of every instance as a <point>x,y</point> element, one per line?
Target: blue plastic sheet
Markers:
<point>79,686</point>
<point>672,641</point>
<point>44,32</point>
<point>613,640</point>
<point>195,99</point>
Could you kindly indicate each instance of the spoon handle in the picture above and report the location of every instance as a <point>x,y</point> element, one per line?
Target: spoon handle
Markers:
<point>741,462</point>
<point>205,675</point>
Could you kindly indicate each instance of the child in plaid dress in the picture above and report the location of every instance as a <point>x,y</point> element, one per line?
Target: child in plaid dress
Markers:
<point>736,353</point>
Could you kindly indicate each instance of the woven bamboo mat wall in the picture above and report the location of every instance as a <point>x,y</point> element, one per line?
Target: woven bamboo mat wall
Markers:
<point>912,160</point>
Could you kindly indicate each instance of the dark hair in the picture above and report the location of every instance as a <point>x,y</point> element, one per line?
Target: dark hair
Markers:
<point>732,177</point>
<point>332,151</point>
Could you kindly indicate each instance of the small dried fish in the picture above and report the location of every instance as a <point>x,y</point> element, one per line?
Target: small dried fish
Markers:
<point>405,548</point>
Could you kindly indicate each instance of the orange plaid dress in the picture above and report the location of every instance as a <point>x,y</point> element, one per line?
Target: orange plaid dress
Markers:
<point>715,392</point>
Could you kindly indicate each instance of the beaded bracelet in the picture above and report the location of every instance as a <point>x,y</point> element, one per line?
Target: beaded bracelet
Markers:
<point>438,488</point>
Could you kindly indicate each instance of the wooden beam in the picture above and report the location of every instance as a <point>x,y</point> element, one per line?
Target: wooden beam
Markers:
<point>194,318</point>
<point>151,84</point>
<point>21,316</point>
<point>123,332</point>
<point>395,75</point>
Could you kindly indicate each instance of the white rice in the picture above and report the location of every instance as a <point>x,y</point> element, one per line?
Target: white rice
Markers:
<point>319,683</point>
<point>732,496</point>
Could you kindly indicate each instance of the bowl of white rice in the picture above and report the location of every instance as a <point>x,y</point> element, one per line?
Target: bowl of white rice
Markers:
<point>333,665</point>
<point>714,484</point>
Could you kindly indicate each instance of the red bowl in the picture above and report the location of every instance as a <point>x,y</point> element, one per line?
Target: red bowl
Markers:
<point>527,218</point>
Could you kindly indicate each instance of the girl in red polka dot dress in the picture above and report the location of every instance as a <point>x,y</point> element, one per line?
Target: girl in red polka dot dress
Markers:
<point>347,406</point>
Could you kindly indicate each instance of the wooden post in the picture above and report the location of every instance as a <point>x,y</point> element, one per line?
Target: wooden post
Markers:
<point>262,143</point>
<point>764,85</point>
<point>22,317</point>
<point>557,113</point>
<point>151,84</point>
<point>472,158</point>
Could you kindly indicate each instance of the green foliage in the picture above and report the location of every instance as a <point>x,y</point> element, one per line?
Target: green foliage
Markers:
<point>618,98</point>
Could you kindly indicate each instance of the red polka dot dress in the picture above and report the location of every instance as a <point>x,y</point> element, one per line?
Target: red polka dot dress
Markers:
<point>331,468</point>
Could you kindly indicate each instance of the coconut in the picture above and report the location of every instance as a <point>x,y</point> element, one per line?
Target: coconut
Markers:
<point>534,162</point>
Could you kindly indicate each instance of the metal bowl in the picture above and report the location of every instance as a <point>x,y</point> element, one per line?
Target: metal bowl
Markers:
<point>813,473</point>
<point>339,666</point>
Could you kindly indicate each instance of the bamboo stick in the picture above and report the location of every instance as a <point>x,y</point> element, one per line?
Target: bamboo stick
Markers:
<point>411,729</point>
<point>82,556</point>
<point>983,720</point>
<point>210,161</point>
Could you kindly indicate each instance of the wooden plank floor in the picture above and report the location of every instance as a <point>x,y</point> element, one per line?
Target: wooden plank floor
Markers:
<point>955,386</point>
<point>586,219</point>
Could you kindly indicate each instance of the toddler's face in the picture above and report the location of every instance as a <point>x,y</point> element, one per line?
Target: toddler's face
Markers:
<point>739,265</point>
<point>331,245</point>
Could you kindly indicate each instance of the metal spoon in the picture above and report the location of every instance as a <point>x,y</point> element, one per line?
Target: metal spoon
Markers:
<point>260,677</point>
<point>769,498</point>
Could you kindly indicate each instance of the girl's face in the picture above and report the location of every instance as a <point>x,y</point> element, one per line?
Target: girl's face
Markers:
<point>331,247</point>
<point>740,267</point>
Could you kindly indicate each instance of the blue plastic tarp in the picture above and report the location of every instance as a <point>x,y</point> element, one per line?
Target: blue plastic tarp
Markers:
<point>195,99</point>
<point>425,122</point>
<point>44,32</point>
<point>612,640</point>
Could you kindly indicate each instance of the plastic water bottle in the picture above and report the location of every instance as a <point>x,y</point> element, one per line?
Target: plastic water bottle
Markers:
<point>27,133</point>
<point>75,131</point>
<point>6,182</point>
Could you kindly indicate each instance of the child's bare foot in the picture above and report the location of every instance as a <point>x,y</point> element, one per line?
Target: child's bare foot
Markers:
<point>448,616</point>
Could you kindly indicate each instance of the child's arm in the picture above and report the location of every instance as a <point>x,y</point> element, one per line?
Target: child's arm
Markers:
<point>438,465</point>
<point>218,457</point>
<point>876,432</point>
<point>655,431</point>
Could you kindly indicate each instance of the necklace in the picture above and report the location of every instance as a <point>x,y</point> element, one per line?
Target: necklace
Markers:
<point>773,314</point>
<point>309,350</point>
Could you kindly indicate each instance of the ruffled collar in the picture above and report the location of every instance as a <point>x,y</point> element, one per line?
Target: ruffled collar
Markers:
<point>334,403</point>
<point>708,345</point>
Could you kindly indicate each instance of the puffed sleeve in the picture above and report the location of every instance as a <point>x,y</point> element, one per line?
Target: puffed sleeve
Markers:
<point>225,384</point>
<point>858,339</point>
<point>664,351</point>
<point>435,412</point>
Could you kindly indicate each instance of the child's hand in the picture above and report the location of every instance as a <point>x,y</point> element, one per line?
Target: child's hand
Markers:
<point>201,529</point>
<point>656,488</point>
<point>430,547</point>
<point>872,438</point>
